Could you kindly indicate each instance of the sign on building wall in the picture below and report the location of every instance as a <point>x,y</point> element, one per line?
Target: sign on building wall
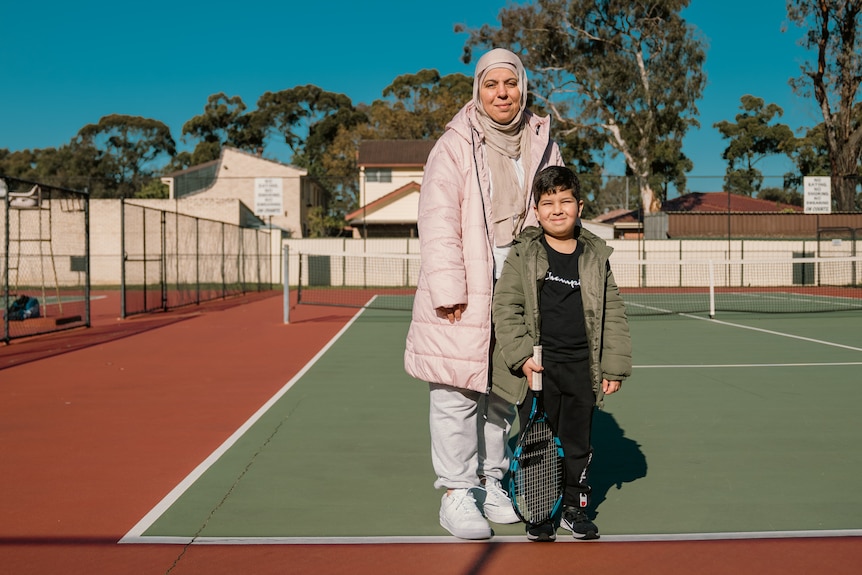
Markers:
<point>268,197</point>
<point>818,194</point>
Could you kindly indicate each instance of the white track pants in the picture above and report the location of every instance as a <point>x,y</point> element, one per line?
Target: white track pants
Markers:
<point>469,436</point>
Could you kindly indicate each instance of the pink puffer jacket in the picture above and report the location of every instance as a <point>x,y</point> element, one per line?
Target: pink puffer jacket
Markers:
<point>457,260</point>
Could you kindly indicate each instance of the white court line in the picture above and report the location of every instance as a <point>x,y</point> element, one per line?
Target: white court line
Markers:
<point>747,365</point>
<point>778,333</point>
<point>171,498</point>
<point>498,539</point>
<point>760,329</point>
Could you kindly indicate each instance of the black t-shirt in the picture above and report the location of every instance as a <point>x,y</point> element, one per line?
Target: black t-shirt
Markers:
<point>564,335</point>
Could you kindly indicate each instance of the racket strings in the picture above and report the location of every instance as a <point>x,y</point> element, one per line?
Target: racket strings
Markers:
<point>538,476</point>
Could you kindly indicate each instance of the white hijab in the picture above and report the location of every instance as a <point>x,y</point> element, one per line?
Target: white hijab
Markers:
<point>505,143</point>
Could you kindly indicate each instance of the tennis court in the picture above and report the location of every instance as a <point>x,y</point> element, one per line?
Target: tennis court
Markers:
<point>742,426</point>
<point>101,426</point>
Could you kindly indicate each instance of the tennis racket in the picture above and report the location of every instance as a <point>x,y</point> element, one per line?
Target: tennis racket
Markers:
<point>537,469</point>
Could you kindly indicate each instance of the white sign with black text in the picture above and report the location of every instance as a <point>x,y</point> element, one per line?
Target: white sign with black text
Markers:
<point>818,194</point>
<point>268,197</point>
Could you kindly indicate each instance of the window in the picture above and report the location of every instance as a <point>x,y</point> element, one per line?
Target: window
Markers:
<point>381,175</point>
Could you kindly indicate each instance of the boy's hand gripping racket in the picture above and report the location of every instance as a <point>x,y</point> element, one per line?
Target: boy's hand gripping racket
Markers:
<point>537,467</point>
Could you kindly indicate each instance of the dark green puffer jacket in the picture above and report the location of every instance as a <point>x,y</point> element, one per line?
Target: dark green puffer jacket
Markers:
<point>516,314</point>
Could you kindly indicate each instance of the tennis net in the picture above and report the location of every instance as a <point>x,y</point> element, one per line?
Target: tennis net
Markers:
<point>365,279</point>
<point>649,287</point>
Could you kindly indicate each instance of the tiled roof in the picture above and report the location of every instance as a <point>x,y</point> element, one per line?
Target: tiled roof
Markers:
<point>382,201</point>
<point>718,202</point>
<point>394,152</point>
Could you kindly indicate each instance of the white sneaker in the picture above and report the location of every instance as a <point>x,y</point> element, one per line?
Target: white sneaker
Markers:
<point>497,505</point>
<point>460,516</point>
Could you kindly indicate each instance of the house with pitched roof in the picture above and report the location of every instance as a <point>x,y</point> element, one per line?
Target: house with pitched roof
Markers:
<point>390,177</point>
<point>390,180</point>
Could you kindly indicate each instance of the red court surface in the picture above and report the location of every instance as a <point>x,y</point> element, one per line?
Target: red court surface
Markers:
<point>98,425</point>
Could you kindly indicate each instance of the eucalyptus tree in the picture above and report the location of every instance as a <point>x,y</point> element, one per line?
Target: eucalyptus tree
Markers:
<point>832,31</point>
<point>752,138</point>
<point>75,165</point>
<point>810,156</point>
<point>127,148</point>
<point>418,106</point>
<point>629,72</point>
<point>224,122</point>
<point>20,163</point>
<point>308,118</point>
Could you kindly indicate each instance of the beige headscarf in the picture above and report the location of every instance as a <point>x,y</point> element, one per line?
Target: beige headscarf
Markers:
<point>505,143</point>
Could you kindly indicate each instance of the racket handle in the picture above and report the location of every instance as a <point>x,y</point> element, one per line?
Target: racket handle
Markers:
<point>536,384</point>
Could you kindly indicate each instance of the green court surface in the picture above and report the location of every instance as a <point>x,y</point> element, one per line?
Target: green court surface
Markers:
<point>743,424</point>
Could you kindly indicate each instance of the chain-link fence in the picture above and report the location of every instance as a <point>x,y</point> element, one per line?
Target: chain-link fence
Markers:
<point>45,258</point>
<point>171,260</point>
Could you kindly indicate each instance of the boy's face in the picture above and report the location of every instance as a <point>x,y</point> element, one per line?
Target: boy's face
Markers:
<point>558,212</point>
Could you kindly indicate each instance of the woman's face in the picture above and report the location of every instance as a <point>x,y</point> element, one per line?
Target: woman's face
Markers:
<point>501,95</point>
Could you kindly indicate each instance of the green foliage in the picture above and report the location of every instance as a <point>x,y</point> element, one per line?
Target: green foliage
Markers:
<point>419,105</point>
<point>414,107</point>
<point>321,225</point>
<point>223,123</point>
<point>752,138</point>
<point>832,30</point>
<point>628,71</point>
<point>154,189</point>
<point>309,108</point>
<point>126,148</point>
<point>810,156</point>
<point>782,195</point>
<point>310,119</point>
<point>76,165</point>
<point>606,194</point>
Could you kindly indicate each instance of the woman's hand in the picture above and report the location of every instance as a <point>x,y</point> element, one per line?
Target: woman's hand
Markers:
<point>453,313</point>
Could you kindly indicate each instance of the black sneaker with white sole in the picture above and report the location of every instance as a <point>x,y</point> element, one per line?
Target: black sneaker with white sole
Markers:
<point>575,519</point>
<point>542,532</point>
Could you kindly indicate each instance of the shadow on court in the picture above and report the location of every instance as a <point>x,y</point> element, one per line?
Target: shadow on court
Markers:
<point>617,459</point>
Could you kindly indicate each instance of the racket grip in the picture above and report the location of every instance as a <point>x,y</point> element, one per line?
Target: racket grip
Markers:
<point>536,384</point>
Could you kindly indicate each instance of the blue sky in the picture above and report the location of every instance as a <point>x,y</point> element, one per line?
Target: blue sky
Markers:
<point>66,64</point>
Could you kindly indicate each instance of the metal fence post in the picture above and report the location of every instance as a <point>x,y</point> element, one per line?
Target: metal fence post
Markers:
<point>285,251</point>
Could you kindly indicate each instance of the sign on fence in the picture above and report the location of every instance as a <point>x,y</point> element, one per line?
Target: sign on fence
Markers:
<point>818,194</point>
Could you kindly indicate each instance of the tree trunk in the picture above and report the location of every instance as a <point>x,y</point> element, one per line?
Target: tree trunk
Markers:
<point>649,200</point>
<point>844,180</point>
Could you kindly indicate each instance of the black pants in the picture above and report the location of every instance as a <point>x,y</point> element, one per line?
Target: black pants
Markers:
<point>569,402</point>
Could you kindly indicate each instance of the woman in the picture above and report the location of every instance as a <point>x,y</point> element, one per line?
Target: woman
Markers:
<point>474,200</point>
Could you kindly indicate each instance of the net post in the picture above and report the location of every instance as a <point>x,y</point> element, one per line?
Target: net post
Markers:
<point>285,250</point>
<point>711,290</point>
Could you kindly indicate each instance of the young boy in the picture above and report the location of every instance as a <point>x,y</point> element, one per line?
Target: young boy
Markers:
<point>557,290</point>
